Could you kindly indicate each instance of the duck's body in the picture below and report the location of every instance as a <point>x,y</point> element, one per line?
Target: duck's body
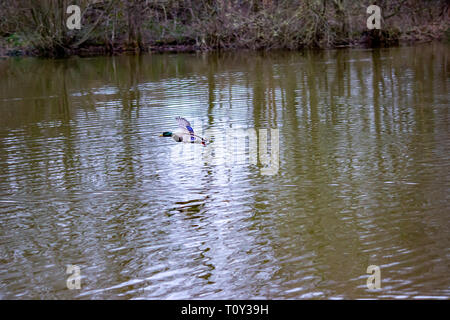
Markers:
<point>184,133</point>
<point>186,137</point>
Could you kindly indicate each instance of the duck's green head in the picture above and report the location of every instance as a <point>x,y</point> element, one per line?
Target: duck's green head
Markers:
<point>166,134</point>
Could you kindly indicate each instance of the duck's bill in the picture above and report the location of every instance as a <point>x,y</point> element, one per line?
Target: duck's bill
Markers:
<point>160,135</point>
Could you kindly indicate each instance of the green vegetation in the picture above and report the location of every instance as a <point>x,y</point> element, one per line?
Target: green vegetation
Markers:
<point>111,26</point>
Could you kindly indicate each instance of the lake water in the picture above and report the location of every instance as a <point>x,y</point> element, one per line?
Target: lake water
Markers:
<point>357,174</point>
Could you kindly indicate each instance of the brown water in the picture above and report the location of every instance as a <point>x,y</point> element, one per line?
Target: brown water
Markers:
<point>363,176</point>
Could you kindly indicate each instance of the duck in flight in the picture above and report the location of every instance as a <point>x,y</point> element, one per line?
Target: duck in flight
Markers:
<point>184,133</point>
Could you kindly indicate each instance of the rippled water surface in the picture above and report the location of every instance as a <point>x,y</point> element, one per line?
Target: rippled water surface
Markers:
<point>362,177</point>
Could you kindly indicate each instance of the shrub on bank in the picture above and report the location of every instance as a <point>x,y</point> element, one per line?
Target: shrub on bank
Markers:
<point>39,27</point>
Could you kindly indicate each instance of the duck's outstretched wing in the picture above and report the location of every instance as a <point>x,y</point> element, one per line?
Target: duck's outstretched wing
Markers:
<point>183,123</point>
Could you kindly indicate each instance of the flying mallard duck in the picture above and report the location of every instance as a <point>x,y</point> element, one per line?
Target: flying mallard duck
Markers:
<point>184,133</point>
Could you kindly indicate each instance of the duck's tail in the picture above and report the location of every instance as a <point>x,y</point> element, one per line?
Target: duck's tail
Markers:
<point>204,141</point>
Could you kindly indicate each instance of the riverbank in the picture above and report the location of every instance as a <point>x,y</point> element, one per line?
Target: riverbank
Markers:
<point>117,27</point>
